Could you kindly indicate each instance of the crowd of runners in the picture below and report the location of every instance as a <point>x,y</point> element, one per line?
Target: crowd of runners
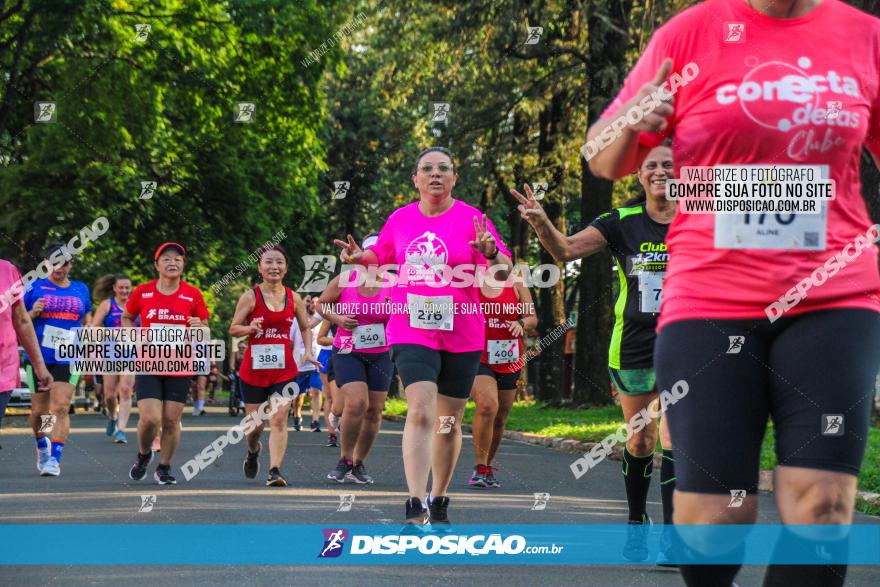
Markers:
<point>343,347</point>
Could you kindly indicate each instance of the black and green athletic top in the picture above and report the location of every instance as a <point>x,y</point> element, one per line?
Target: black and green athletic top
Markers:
<point>636,242</point>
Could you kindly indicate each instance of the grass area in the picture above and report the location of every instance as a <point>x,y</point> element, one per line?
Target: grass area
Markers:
<point>594,424</point>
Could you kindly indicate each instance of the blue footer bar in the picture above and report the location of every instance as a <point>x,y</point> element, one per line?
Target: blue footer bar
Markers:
<point>524,544</point>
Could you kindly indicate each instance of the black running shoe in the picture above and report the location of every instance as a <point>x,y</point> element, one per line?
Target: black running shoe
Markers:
<point>297,423</point>
<point>437,507</point>
<point>139,469</point>
<point>416,514</point>
<point>343,467</point>
<point>163,475</point>
<point>358,474</point>
<point>316,426</point>
<point>275,478</point>
<point>251,464</point>
<point>332,441</point>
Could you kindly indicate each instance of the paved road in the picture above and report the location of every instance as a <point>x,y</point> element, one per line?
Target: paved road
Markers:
<point>95,488</point>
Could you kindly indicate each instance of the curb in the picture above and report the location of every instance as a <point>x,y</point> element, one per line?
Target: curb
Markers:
<point>569,445</point>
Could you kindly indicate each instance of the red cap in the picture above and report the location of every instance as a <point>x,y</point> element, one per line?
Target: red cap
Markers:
<point>164,246</point>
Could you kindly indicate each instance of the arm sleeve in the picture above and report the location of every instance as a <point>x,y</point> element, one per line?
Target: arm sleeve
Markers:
<point>872,141</point>
<point>30,296</point>
<point>608,224</point>
<point>133,305</point>
<point>14,278</point>
<point>87,300</point>
<point>643,72</point>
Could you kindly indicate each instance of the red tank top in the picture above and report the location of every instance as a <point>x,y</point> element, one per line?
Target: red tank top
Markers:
<point>506,351</point>
<point>269,357</point>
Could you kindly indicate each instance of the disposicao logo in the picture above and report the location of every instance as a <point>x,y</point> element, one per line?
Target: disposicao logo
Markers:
<point>334,541</point>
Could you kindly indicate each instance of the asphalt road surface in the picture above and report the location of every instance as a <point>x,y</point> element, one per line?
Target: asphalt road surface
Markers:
<point>94,488</point>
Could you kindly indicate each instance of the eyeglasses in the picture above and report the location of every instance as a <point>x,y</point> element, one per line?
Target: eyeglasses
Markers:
<point>442,168</point>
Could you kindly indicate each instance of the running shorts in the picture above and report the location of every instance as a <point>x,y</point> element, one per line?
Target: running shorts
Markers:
<point>61,373</point>
<point>331,372</point>
<point>505,381</point>
<point>374,369</point>
<point>256,395</point>
<point>452,372</point>
<point>812,373</point>
<point>309,379</point>
<point>633,381</point>
<point>166,388</point>
<point>323,358</point>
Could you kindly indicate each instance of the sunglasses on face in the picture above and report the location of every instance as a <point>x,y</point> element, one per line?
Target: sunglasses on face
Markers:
<point>442,168</point>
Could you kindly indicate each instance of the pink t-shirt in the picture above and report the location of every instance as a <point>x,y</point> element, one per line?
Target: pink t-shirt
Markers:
<point>762,96</point>
<point>9,359</point>
<point>422,246</point>
<point>369,311</point>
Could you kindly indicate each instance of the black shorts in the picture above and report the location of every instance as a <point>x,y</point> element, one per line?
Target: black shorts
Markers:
<point>331,371</point>
<point>803,371</point>
<point>99,379</point>
<point>256,395</point>
<point>61,373</point>
<point>452,372</point>
<point>162,387</point>
<point>505,381</point>
<point>374,369</point>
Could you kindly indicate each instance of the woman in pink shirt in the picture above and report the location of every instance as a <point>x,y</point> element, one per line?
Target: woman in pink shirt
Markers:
<point>435,330</point>
<point>16,328</point>
<point>763,315</point>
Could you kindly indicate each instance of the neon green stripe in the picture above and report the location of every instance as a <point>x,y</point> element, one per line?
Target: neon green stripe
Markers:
<point>617,333</point>
<point>30,378</point>
<point>624,212</point>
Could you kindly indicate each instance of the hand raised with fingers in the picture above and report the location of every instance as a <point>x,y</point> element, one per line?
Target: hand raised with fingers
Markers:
<point>655,119</point>
<point>529,208</point>
<point>484,242</point>
<point>351,252</point>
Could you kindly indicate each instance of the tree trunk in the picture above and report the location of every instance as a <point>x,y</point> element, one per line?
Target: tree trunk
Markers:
<point>607,46</point>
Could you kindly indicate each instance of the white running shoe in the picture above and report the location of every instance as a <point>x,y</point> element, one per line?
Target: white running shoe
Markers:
<point>43,455</point>
<point>52,468</point>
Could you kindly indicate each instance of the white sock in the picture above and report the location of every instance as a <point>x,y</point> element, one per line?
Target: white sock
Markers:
<point>198,406</point>
<point>124,411</point>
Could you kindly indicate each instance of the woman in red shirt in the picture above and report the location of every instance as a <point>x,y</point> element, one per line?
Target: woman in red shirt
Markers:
<point>265,315</point>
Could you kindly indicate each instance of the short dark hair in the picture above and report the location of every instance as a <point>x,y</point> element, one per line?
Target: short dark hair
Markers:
<point>278,248</point>
<point>424,152</point>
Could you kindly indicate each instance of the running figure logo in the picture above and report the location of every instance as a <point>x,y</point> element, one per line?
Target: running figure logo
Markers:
<point>142,32</point>
<point>541,500</point>
<point>340,189</point>
<point>334,540</point>
<point>148,188</point>
<point>441,112</point>
<point>319,270</point>
<point>736,32</point>
<point>736,344</point>
<point>245,112</point>
<point>47,423</point>
<point>737,496</point>
<point>832,109</point>
<point>44,112</point>
<point>535,33</point>
<point>345,502</point>
<point>832,424</point>
<point>446,424</point>
<point>151,313</point>
<point>147,503</point>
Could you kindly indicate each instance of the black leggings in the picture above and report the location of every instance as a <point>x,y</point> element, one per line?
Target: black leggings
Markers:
<point>813,373</point>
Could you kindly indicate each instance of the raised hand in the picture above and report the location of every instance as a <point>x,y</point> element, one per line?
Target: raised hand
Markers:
<point>529,208</point>
<point>351,252</point>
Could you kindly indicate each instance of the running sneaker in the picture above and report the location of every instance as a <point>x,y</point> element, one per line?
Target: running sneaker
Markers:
<point>111,427</point>
<point>343,468</point>
<point>251,464</point>
<point>437,507</point>
<point>119,437</point>
<point>163,475</point>
<point>358,474</point>
<point>316,426</point>
<point>666,546</point>
<point>297,424</point>
<point>157,445</point>
<point>52,468</point>
<point>416,512</point>
<point>478,479</point>
<point>43,455</point>
<point>490,478</point>
<point>636,547</point>
<point>332,440</point>
<point>275,478</point>
<point>139,469</point>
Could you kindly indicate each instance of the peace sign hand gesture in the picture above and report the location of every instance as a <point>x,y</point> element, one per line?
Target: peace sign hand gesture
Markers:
<point>483,241</point>
<point>351,252</point>
<point>529,208</point>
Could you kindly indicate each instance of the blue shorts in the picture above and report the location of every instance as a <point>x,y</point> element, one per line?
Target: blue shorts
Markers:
<point>308,379</point>
<point>324,358</point>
